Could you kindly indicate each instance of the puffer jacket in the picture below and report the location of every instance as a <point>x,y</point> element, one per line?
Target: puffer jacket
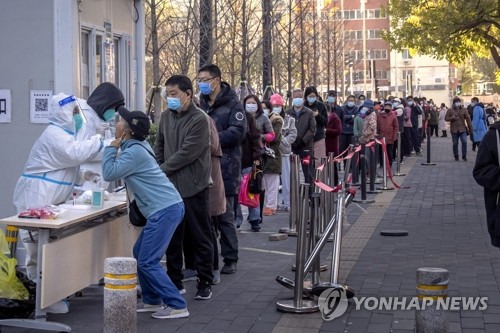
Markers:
<point>487,174</point>
<point>288,135</point>
<point>273,165</point>
<point>229,117</point>
<point>348,116</point>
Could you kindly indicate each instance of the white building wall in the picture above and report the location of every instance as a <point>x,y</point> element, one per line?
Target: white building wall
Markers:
<point>26,63</point>
<point>430,77</point>
<point>40,50</point>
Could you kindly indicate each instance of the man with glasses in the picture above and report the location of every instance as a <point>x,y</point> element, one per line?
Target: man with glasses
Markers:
<point>221,103</point>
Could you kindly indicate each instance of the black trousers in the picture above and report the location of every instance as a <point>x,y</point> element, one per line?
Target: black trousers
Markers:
<point>227,229</point>
<point>390,153</point>
<point>415,139</point>
<point>196,230</point>
<point>189,258</point>
<point>434,129</point>
<point>406,142</point>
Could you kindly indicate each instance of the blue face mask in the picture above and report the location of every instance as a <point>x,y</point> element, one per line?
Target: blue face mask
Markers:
<point>251,107</point>
<point>350,104</point>
<point>395,105</point>
<point>174,103</point>
<point>311,100</point>
<point>205,88</point>
<point>78,120</point>
<point>362,113</point>
<point>277,109</point>
<point>108,114</point>
<point>298,101</point>
<point>266,112</point>
<point>330,99</point>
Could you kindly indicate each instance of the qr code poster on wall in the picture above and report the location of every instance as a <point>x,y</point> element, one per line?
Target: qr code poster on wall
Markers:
<point>40,106</point>
<point>5,106</point>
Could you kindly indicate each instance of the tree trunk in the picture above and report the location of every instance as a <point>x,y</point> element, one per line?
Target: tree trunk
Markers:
<point>156,63</point>
<point>289,53</point>
<point>244,51</point>
<point>206,47</point>
<point>267,70</point>
<point>302,48</point>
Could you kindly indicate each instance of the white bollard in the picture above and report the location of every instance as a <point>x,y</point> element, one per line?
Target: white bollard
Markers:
<point>120,295</point>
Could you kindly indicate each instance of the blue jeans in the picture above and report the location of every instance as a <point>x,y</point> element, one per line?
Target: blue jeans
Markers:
<point>150,246</point>
<point>463,138</point>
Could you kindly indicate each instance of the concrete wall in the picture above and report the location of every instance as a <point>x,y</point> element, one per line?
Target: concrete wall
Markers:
<point>40,49</point>
<point>26,62</point>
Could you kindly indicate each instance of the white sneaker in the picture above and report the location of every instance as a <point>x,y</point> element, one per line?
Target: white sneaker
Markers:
<point>143,307</point>
<point>59,307</point>
<point>169,313</point>
<point>182,291</point>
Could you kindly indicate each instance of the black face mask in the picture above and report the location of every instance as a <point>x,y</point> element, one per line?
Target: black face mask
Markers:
<point>387,110</point>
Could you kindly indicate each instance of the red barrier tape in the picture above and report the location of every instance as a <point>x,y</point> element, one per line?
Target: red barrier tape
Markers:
<point>339,158</point>
<point>388,165</point>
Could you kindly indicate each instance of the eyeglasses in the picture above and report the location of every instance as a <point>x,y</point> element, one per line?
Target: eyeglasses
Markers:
<point>205,80</point>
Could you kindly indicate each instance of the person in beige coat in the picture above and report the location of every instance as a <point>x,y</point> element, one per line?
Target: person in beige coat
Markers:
<point>216,194</point>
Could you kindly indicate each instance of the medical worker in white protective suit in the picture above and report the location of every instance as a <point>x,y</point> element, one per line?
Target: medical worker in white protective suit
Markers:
<point>53,168</point>
<point>100,111</point>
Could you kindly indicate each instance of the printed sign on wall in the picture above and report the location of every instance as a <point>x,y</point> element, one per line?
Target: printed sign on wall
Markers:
<point>40,106</point>
<point>5,106</point>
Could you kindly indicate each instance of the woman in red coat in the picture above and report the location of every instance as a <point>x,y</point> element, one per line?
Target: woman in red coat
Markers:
<point>332,134</point>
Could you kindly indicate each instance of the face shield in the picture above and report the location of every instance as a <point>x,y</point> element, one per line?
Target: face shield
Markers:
<point>73,101</point>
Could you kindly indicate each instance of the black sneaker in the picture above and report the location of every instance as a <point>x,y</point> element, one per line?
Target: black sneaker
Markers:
<point>456,158</point>
<point>464,158</point>
<point>229,268</point>
<point>204,291</point>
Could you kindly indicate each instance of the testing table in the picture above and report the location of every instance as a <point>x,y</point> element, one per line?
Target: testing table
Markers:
<point>71,253</point>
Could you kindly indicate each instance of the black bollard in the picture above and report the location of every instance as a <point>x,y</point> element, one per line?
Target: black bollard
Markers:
<point>362,161</point>
<point>373,171</point>
<point>429,163</point>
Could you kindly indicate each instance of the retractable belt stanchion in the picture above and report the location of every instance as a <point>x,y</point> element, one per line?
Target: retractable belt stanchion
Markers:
<point>355,169</point>
<point>373,170</point>
<point>398,158</point>
<point>362,161</point>
<point>298,304</point>
<point>294,196</point>
<point>384,162</point>
<point>429,163</point>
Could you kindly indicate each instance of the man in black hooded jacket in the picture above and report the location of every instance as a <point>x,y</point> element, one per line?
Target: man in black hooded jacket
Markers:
<point>221,103</point>
<point>487,174</point>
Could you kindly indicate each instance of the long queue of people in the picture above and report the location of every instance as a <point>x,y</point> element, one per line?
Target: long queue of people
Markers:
<point>187,184</point>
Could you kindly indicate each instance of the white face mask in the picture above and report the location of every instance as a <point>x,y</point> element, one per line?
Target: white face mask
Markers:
<point>251,107</point>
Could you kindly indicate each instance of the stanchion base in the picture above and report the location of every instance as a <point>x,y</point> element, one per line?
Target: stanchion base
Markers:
<point>319,288</point>
<point>322,268</point>
<point>394,233</point>
<point>385,188</point>
<point>308,306</point>
<point>366,201</point>
<point>373,192</point>
<point>288,231</point>
<point>428,164</point>
<point>290,284</point>
<point>399,174</point>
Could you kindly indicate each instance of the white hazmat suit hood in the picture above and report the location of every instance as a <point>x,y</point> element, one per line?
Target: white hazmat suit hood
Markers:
<point>53,164</point>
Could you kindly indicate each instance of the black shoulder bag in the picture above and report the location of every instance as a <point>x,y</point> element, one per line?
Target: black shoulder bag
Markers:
<point>134,214</point>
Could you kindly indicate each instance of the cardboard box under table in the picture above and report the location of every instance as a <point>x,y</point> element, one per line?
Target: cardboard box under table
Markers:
<point>71,253</point>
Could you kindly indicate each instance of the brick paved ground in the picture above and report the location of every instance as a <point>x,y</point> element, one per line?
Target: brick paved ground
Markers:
<point>444,214</point>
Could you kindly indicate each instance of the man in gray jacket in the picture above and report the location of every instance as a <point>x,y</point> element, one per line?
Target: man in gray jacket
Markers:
<point>182,149</point>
